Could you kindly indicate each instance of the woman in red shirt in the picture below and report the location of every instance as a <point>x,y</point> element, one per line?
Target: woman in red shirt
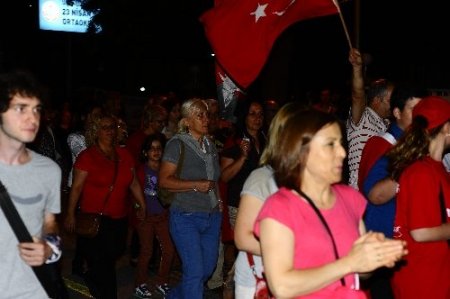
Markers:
<point>103,175</point>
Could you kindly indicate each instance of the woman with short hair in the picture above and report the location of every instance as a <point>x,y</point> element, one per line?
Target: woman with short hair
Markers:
<point>195,213</point>
<point>103,175</point>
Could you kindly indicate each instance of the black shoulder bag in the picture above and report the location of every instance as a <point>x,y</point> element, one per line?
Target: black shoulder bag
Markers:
<point>325,224</point>
<point>47,274</point>
<point>343,291</point>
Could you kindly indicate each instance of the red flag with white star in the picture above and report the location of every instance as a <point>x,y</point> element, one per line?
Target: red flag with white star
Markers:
<point>242,32</point>
<point>228,94</point>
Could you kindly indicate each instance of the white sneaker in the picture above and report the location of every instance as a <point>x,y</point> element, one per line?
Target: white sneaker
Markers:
<point>163,288</point>
<point>142,292</point>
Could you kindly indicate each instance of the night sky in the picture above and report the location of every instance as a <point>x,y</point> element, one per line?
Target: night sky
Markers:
<point>160,44</point>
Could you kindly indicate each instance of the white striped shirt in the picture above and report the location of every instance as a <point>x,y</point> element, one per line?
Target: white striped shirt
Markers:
<point>369,125</point>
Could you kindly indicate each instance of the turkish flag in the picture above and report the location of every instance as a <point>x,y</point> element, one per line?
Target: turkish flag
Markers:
<point>228,95</point>
<point>242,32</point>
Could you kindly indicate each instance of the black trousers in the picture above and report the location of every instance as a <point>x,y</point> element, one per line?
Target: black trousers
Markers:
<point>101,254</point>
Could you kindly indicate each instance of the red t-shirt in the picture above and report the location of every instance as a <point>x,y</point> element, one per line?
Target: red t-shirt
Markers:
<point>427,270</point>
<point>99,179</point>
<point>375,147</point>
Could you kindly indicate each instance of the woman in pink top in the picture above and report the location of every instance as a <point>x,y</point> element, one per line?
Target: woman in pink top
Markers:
<point>314,244</point>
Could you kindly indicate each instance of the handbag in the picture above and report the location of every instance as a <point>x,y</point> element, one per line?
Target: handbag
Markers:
<point>87,225</point>
<point>262,289</point>
<point>49,275</point>
<point>165,196</point>
<point>342,292</point>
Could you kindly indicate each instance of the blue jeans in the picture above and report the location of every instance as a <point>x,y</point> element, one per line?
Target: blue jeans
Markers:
<point>196,237</point>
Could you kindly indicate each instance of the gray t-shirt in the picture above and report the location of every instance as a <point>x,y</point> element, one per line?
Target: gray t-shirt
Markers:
<point>195,167</point>
<point>260,184</point>
<point>34,188</point>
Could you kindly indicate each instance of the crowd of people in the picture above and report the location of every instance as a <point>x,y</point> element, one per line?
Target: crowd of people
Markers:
<point>316,206</point>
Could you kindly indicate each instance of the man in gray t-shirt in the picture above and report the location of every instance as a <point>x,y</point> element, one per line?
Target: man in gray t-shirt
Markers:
<point>33,183</point>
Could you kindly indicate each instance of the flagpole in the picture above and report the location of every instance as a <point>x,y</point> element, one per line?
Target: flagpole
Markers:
<point>343,24</point>
<point>357,14</point>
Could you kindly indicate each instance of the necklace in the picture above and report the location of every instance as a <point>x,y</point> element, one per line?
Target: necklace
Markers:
<point>201,141</point>
<point>202,144</point>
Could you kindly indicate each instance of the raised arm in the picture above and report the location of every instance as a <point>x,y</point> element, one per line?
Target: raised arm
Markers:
<point>358,94</point>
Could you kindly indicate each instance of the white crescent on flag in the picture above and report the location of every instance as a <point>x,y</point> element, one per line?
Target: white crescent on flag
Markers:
<point>280,13</point>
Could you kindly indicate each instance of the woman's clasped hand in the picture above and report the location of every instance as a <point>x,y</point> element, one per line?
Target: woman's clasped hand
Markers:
<point>372,250</point>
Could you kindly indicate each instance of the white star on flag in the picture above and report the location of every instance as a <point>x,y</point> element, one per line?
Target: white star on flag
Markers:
<point>259,12</point>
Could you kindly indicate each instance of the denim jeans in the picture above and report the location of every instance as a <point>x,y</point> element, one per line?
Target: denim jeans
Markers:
<point>216,279</point>
<point>196,237</point>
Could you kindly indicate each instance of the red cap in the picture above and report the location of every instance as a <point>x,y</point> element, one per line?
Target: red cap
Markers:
<point>435,109</point>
